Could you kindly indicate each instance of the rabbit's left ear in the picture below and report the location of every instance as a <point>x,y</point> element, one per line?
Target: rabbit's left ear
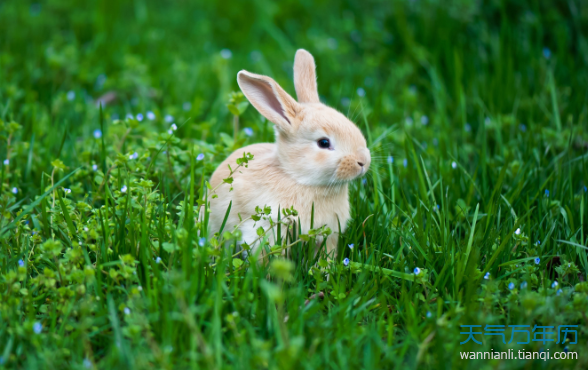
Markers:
<point>305,77</point>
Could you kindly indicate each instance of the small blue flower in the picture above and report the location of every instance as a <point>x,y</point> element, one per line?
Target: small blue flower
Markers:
<point>202,241</point>
<point>6,162</point>
<point>187,106</point>
<point>522,127</point>
<point>1,360</point>
<point>360,92</point>
<point>158,260</point>
<point>248,131</point>
<point>538,242</point>
<point>135,155</point>
<point>390,159</point>
<point>363,181</point>
<point>417,270</point>
<point>139,117</point>
<point>97,134</point>
<point>150,115</point>
<point>87,363</point>
<point>554,284</point>
<point>200,157</point>
<point>14,190</point>
<point>511,286</point>
<point>559,291</point>
<point>467,127</point>
<point>174,126</point>
<point>585,189</point>
<point>346,261</point>
<point>429,314</point>
<point>123,189</point>
<point>453,165</point>
<point>546,193</point>
<point>168,118</point>
<point>226,54</point>
<point>66,190</point>
<point>21,263</point>
<point>405,162</point>
<point>95,167</point>
<point>127,311</point>
<point>170,131</point>
<point>130,116</point>
<point>37,327</point>
<point>487,276</point>
<point>71,95</point>
<point>424,120</point>
<point>524,285</point>
<point>546,53</point>
<point>537,260</point>
<point>518,231</point>
<point>350,246</point>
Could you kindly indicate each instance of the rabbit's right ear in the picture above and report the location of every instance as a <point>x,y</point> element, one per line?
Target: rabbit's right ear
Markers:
<point>305,77</point>
<point>269,99</point>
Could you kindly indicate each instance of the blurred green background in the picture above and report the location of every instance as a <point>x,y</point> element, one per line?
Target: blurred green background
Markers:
<point>476,115</point>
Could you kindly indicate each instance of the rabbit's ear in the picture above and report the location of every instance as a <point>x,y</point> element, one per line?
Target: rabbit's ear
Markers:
<point>269,99</point>
<point>305,77</point>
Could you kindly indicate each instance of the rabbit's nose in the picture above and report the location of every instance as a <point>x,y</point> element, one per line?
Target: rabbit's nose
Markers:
<point>360,163</point>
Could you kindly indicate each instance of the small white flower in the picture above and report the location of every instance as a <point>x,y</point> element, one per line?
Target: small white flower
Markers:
<point>66,190</point>
<point>226,54</point>
<point>200,157</point>
<point>424,120</point>
<point>174,127</point>
<point>6,162</point>
<point>135,155</point>
<point>97,134</point>
<point>187,106</point>
<point>168,118</point>
<point>453,165</point>
<point>123,189</point>
<point>95,167</point>
<point>71,95</point>
<point>360,92</point>
<point>139,117</point>
<point>14,191</point>
<point>140,288</point>
<point>158,260</point>
<point>518,232</point>
<point>127,311</point>
<point>248,131</point>
<point>150,115</point>
<point>86,229</point>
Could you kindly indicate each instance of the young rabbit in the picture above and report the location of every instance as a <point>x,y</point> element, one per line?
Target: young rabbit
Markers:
<point>317,152</point>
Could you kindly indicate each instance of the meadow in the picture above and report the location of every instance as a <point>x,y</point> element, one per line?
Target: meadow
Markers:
<point>114,114</point>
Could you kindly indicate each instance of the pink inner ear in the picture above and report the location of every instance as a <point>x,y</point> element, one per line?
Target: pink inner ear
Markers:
<point>262,93</point>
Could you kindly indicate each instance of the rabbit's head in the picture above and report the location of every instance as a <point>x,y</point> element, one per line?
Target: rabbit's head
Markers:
<point>316,144</point>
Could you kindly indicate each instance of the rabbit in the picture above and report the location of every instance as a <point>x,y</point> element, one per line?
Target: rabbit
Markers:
<point>317,152</point>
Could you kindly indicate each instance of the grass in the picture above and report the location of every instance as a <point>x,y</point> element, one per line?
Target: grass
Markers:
<point>476,117</point>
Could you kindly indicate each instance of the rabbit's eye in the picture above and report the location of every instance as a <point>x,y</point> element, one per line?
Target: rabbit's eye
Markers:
<point>324,143</point>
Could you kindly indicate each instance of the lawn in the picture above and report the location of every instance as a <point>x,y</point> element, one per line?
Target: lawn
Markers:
<point>114,114</point>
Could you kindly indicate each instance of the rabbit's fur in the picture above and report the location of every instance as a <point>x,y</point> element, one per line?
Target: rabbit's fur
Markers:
<point>294,171</point>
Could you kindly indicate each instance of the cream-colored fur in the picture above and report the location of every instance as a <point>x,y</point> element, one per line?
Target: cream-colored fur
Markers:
<point>294,171</point>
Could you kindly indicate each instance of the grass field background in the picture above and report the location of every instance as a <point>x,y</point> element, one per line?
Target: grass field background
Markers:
<point>114,114</point>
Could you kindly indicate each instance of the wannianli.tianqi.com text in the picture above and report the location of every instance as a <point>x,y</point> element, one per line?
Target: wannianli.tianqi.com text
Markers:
<point>518,355</point>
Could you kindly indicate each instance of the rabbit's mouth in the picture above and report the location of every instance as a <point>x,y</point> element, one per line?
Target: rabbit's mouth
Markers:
<point>352,167</point>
